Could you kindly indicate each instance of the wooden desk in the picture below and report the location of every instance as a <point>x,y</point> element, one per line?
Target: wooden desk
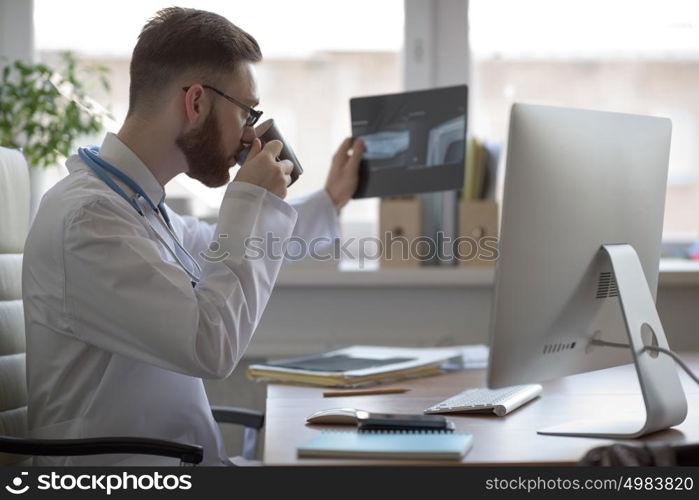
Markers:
<point>509,440</point>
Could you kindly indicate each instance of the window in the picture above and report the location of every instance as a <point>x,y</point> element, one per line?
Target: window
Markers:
<point>628,56</point>
<point>315,52</point>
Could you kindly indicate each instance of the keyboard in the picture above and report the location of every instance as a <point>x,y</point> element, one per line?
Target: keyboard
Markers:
<point>481,400</point>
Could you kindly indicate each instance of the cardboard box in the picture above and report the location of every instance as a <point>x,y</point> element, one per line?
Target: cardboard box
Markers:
<point>478,233</point>
<point>400,221</point>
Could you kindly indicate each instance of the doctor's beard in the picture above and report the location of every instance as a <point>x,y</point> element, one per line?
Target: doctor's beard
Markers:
<point>202,148</point>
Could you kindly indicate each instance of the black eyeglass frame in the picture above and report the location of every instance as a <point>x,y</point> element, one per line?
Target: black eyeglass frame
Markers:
<point>253,114</point>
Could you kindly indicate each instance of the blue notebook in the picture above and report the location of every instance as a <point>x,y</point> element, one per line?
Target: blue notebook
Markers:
<point>387,444</point>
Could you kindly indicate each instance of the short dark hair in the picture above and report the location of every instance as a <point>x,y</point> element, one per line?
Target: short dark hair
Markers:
<point>179,41</point>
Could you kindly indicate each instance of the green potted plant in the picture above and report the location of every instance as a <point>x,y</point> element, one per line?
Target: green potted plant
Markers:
<point>44,112</point>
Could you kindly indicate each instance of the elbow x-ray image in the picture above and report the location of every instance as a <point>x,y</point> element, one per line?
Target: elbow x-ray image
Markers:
<point>414,142</point>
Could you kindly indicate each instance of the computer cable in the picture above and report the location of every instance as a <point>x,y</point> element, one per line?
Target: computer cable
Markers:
<point>655,348</point>
<point>681,455</point>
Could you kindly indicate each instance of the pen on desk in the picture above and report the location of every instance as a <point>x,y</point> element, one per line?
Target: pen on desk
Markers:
<point>363,392</point>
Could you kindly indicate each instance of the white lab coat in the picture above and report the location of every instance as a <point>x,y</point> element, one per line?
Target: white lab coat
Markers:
<point>118,340</point>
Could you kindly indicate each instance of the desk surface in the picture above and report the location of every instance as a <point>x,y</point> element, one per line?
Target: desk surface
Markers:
<point>509,440</point>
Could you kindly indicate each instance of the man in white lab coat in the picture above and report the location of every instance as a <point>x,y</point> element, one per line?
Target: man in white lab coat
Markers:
<point>118,338</point>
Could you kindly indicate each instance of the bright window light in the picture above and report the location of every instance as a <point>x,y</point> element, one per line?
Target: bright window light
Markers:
<point>316,57</point>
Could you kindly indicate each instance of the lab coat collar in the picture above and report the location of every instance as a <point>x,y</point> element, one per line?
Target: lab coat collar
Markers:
<point>118,154</point>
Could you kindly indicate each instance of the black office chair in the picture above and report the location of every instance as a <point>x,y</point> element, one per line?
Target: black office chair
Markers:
<point>642,455</point>
<point>15,450</point>
<point>14,446</point>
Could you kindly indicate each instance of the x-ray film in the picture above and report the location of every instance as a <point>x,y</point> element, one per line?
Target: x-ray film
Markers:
<point>415,141</point>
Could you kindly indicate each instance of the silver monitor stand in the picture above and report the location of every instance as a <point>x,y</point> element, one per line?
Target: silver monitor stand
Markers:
<point>663,397</point>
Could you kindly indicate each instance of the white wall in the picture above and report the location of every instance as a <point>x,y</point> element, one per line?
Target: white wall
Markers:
<point>16,30</point>
<point>436,43</point>
<point>301,320</point>
<point>305,320</point>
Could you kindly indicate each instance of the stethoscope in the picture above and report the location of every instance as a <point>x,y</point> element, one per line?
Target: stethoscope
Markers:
<point>103,168</point>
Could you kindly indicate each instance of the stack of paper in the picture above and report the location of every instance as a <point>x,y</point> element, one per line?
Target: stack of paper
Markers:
<point>356,366</point>
<point>473,357</point>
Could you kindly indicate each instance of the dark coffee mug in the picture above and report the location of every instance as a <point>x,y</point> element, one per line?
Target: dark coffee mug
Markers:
<point>268,131</point>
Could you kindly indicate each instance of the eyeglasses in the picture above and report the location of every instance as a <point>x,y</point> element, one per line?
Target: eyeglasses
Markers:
<point>253,114</point>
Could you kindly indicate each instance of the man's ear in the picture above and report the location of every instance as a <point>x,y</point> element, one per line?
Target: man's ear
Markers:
<point>195,104</point>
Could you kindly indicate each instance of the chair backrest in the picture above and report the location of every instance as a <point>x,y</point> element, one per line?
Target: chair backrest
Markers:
<point>14,226</point>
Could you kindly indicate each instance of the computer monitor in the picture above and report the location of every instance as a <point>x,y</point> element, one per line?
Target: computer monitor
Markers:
<point>579,249</point>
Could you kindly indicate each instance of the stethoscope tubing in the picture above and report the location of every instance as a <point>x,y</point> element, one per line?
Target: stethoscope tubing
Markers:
<point>103,169</point>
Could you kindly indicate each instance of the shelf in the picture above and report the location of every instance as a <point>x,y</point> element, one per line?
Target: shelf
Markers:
<point>673,273</point>
<point>386,277</point>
